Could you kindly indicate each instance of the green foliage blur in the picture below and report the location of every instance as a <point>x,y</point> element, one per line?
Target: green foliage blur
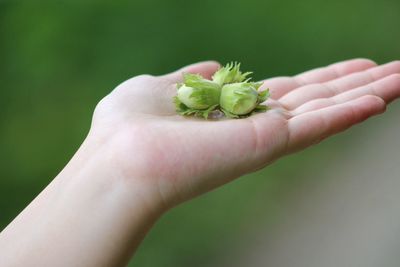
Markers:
<point>59,58</point>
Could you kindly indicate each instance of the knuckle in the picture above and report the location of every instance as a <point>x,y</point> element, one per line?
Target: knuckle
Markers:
<point>396,64</point>
<point>373,98</point>
<point>396,77</point>
<point>378,101</point>
<point>369,61</point>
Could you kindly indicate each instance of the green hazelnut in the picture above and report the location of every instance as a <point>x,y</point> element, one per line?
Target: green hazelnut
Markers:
<point>239,98</point>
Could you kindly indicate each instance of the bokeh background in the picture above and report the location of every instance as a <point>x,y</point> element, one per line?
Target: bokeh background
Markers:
<point>59,58</point>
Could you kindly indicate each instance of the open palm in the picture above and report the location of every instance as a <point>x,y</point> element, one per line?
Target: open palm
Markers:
<point>180,157</point>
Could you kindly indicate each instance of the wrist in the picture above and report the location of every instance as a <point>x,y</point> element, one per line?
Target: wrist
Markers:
<point>119,210</point>
<point>97,165</point>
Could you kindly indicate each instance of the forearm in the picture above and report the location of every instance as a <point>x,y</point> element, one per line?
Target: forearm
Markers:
<point>88,216</point>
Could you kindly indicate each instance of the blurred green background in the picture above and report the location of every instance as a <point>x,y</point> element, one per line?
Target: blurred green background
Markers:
<point>59,58</point>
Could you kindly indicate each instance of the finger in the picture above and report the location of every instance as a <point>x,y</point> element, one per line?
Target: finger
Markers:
<point>205,69</point>
<point>309,92</point>
<point>312,127</point>
<point>280,86</point>
<point>387,88</point>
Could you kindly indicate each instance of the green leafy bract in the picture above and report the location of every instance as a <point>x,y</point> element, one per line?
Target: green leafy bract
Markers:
<point>230,74</point>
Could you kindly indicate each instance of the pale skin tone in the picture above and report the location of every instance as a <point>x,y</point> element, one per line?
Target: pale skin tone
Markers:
<point>140,159</point>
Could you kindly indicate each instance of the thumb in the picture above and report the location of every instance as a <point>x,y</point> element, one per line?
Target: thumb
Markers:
<point>204,68</point>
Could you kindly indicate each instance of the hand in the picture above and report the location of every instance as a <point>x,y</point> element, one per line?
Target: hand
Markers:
<point>174,158</point>
<point>140,159</point>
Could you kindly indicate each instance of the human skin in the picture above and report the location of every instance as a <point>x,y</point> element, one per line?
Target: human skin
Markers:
<point>140,159</point>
